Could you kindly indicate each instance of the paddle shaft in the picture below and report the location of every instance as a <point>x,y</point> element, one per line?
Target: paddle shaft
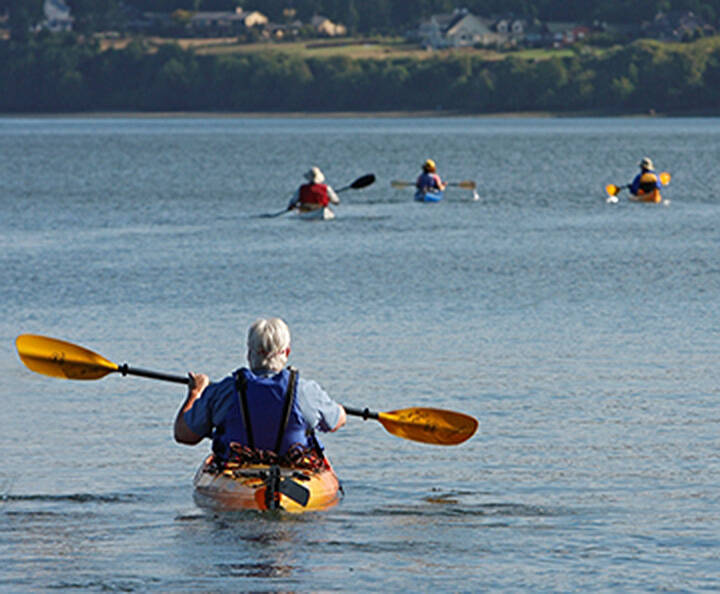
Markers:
<point>467,184</point>
<point>125,369</point>
<point>365,413</point>
<point>664,178</point>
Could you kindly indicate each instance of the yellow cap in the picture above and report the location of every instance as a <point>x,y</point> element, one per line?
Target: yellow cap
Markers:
<point>429,165</point>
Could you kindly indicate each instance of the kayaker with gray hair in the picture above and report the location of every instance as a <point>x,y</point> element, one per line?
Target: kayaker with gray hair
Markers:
<point>646,183</point>
<point>266,408</point>
<point>315,194</point>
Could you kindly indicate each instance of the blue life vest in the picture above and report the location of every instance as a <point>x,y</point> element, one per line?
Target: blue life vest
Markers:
<point>264,415</point>
<point>427,181</point>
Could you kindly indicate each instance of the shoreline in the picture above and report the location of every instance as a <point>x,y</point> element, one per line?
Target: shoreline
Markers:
<point>392,114</point>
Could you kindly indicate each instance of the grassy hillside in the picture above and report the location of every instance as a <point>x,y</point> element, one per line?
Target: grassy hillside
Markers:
<point>358,48</point>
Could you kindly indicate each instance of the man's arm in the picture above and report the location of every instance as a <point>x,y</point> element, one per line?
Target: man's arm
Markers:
<point>183,433</point>
<point>342,420</point>
<point>332,196</point>
<point>294,200</point>
<point>319,410</point>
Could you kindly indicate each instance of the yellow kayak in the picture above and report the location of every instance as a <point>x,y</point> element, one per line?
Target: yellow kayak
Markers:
<point>265,487</point>
<point>653,196</point>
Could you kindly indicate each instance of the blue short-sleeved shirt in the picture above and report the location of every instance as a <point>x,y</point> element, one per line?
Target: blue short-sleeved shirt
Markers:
<point>319,410</point>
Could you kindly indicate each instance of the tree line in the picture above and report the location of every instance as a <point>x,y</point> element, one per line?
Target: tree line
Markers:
<point>57,73</point>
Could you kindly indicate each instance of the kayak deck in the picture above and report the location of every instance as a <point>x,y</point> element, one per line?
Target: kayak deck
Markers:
<point>421,196</point>
<point>316,214</point>
<point>265,487</point>
<point>653,196</point>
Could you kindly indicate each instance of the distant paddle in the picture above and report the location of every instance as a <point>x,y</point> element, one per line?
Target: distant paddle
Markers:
<point>361,182</point>
<point>467,184</point>
<point>65,360</point>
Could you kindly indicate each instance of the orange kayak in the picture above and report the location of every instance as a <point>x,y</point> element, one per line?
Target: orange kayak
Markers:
<point>653,196</point>
<point>266,487</point>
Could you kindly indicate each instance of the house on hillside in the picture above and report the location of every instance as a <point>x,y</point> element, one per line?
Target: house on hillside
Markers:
<point>280,31</point>
<point>457,29</point>
<point>510,27</point>
<point>566,33</point>
<point>536,34</point>
<point>676,25</point>
<point>324,26</point>
<point>57,16</point>
<point>226,23</point>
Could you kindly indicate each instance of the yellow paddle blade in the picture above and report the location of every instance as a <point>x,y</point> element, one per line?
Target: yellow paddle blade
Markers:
<point>612,190</point>
<point>401,184</point>
<point>430,425</point>
<point>664,178</point>
<point>468,184</point>
<point>57,358</point>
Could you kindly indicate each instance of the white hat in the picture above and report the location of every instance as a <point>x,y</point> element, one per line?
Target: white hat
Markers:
<point>315,176</point>
<point>646,163</point>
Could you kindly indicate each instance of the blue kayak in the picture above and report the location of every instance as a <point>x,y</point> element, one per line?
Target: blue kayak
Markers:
<point>421,196</point>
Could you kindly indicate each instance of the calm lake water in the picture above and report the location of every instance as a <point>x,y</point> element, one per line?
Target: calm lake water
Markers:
<point>582,335</point>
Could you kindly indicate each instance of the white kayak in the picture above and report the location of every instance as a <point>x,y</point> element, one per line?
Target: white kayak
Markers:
<point>317,214</point>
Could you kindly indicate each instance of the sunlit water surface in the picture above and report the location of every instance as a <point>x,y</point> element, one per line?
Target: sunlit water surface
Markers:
<point>582,335</point>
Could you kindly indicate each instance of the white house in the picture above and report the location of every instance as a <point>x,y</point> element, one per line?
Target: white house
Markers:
<point>324,26</point>
<point>458,29</point>
<point>57,16</point>
<point>227,22</point>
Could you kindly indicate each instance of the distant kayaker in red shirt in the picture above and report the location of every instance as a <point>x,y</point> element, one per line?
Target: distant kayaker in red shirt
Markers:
<point>429,180</point>
<point>314,194</point>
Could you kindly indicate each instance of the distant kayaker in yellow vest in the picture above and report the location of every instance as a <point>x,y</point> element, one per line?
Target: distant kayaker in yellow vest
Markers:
<point>646,185</point>
<point>314,194</point>
<point>429,180</point>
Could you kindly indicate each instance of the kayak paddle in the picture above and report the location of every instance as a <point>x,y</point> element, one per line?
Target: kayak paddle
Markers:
<point>468,184</point>
<point>613,190</point>
<point>427,425</point>
<point>65,360</point>
<point>57,358</point>
<point>361,182</point>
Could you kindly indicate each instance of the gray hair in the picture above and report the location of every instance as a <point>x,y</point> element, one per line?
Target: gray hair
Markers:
<point>267,342</point>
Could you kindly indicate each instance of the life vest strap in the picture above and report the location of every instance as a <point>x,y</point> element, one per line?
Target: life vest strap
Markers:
<point>287,408</point>
<point>241,386</point>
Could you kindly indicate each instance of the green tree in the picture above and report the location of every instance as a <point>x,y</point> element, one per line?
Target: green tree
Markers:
<point>23,16</point>
<point>95,15</point>
<point>550,78</point>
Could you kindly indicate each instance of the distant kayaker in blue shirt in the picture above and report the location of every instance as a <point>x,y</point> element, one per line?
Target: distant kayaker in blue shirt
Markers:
<point>429,180</point>
<point>646,185</point>
<point>264,408</point>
